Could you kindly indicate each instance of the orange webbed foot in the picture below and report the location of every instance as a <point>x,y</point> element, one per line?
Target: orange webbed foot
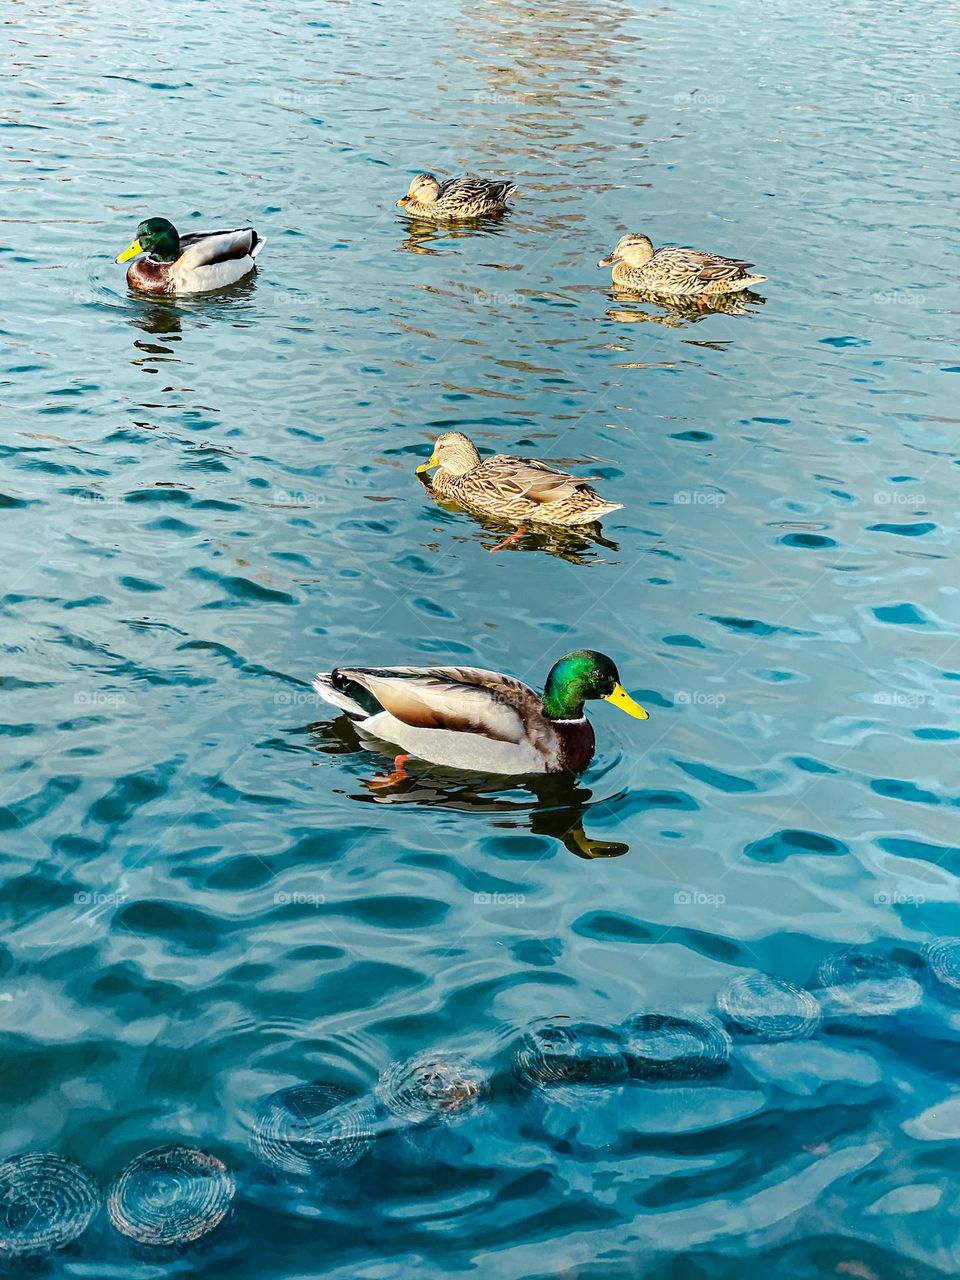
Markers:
<point>391,779</point>
<point>514,537</point>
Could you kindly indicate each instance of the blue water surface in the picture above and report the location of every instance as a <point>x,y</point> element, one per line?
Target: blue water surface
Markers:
<point>205,501</point>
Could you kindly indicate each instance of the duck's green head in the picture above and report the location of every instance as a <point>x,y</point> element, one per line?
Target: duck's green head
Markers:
<point>581,675</point>
<point>157,237</point>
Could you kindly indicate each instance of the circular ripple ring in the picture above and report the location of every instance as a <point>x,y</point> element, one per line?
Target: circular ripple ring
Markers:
<point>171,1195</point>
<point>666,1046</point>
<point>767,1008</point>
<point>868,983</point>
<point>432,1087</point>
<point>310,1127</point>
<point>46,1201</point>
<point>562,1054</point>
<point>943,959</point>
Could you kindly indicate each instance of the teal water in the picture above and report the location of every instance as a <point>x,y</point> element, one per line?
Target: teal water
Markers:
<point>203,901</point>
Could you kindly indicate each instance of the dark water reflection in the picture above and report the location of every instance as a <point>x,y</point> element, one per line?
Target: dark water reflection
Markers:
<point>204,502</point>
<point>557,806</point>
<point>678,312</point>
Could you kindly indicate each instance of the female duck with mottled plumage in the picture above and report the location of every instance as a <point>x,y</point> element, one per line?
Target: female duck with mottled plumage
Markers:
<point>676,272</point>
<point>455,198</point>
<point>518,490</point>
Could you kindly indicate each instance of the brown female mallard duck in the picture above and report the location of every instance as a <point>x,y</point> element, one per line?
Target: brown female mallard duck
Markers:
<point>466,197</point>
<point>676,272</point>
<point>482,721</point>
<point>518,490</point>
<point>169,263</point>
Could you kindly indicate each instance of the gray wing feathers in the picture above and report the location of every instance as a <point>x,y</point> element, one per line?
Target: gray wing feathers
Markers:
<point>464,699</point>
<point>218,246</point>
<point>471,185</point>
<point>535,481</point>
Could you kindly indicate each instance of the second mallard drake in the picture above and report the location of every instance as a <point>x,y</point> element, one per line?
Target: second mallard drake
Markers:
<point>465,197</point>
<point>519,490</point>
<point>168,263</point>
<point>468,718</point>
<point>676,272</point>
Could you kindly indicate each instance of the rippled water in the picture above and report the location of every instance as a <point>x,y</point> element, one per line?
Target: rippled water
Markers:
<point>205,502</point>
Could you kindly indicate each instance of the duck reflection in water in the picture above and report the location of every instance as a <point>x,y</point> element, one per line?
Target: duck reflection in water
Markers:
<point>165,318</point>
<point>161,318</point>
<point>423,235</point>
<point>553,805</point>
<point>678,313</point>
<point>576,546</point>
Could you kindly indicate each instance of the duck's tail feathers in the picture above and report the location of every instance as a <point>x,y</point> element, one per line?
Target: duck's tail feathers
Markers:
<point>324,686</point>
<point>258,243</point>
<point>749,281</point>
<point>597,512</point>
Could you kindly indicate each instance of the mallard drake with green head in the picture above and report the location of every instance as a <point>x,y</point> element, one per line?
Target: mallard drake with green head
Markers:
<point>465,197</point>
<point>481,721</point>
<point>519,490</point>
<point>169,263</point>
<point>676,272</point>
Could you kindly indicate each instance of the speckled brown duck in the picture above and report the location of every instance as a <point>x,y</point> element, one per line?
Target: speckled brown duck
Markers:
<point>455,198</point>
<point>520,491</point>
<point>676,272</point>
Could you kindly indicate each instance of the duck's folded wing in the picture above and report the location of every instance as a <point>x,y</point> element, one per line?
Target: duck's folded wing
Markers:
<point>210,247</point>
<point>707,267</point>
<point>535,481</point>
<point>462,699</point>
<point>471,185</point>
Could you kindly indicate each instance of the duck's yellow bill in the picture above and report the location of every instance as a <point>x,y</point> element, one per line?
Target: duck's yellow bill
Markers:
<point>621,699</point>
<point>402,201</point>
<point>130,252</point>
<point>425,466</point>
